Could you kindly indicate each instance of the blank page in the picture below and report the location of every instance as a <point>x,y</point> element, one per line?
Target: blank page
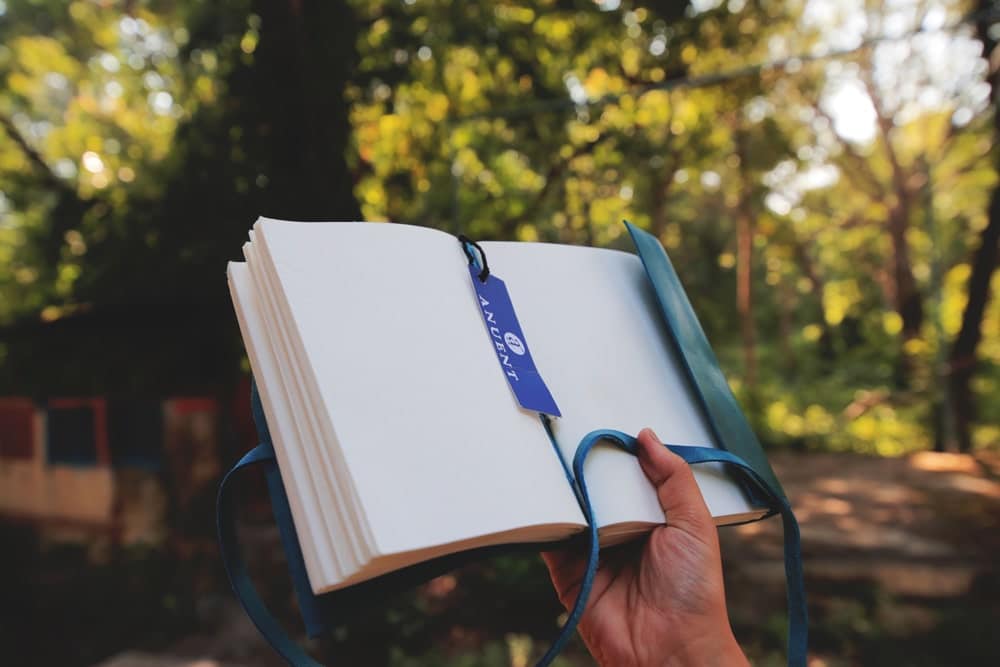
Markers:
<point>349,541</point>
<point>597,336</point>
<point>438,450</point>
<point>306,509</point>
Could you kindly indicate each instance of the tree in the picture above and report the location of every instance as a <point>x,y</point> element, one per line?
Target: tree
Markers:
<point>962,356</point>
<point>144,143</point>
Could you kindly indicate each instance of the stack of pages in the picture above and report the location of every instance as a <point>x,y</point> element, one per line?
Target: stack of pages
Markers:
<point>398,438</point>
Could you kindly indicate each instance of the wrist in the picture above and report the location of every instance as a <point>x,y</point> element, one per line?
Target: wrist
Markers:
<point>710,650</point>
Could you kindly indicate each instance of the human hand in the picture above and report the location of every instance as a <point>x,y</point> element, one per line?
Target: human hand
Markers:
<point>659,601</point>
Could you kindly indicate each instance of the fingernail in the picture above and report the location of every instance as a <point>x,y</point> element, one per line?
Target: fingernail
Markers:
<point>655,437</point>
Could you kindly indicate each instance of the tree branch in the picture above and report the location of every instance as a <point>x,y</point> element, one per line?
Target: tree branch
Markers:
<point>860,172</point>
<point>884,123</point>
<point>34,157</point>
<point>553,173</point>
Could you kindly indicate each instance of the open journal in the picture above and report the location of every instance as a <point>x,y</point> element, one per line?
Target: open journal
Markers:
<point>397,436</point>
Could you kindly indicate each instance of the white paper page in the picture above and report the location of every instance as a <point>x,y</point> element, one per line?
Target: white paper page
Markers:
<point>387,317</point>
<point>309,412</point>
<point>596,334</point>
<point>307,513</point>
<point>346,539</point>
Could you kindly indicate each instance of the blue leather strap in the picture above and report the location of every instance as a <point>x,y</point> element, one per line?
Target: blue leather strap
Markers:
<point>798,622</point>
<point>252,603</point>
<point>310,606</point>
<point>290,651</point>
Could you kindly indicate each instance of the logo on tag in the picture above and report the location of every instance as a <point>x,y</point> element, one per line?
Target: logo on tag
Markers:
<point>513,343</point>
<point>511,346</point>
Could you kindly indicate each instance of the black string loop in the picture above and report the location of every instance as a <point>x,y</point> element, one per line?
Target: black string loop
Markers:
<point>468,243</point>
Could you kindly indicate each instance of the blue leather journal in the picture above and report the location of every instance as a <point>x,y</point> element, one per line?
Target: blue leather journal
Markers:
<point>737,450</point>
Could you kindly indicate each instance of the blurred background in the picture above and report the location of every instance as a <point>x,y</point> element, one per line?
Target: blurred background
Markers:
<point>823,174</point>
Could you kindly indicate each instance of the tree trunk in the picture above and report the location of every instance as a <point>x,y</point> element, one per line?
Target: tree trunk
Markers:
<point>305,59</point>
<point>908,302</point>
<point>744,266</point>
<point>906,297</point>
<point>744,292</point>
<point>786,303</point>
<point>962,356</point>
<point>658,207</point>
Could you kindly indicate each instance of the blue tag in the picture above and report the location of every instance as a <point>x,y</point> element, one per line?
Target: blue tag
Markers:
<point>511,347</point>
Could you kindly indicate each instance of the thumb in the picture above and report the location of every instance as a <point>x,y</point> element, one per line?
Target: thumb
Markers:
<point>683,505</point>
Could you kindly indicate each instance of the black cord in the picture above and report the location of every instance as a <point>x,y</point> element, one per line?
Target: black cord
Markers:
<point>466,243</point>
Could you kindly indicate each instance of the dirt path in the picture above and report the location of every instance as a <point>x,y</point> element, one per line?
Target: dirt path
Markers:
<point>902,558</point>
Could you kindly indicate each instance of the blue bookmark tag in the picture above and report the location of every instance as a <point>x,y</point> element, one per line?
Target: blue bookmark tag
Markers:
<point>510,345</point>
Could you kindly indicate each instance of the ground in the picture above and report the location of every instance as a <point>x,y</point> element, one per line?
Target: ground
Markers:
<point>900,559</point>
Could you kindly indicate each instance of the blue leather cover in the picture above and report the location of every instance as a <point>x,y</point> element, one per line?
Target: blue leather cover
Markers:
<point>727,421</point>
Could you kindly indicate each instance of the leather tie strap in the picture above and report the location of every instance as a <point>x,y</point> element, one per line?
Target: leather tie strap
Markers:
<point>275,634</point>
<point>798,623</point>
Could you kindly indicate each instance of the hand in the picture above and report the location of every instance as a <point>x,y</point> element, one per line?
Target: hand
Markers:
<point>659,601</point>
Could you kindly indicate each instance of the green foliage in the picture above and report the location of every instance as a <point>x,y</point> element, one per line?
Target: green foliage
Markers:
<point>138,143</point>
<point>136,146</point>
<point>553,122</point>
<point>139,140</point>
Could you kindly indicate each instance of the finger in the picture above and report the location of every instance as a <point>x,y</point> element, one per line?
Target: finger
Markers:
<point>678,492</point>
<point>566,569</point>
